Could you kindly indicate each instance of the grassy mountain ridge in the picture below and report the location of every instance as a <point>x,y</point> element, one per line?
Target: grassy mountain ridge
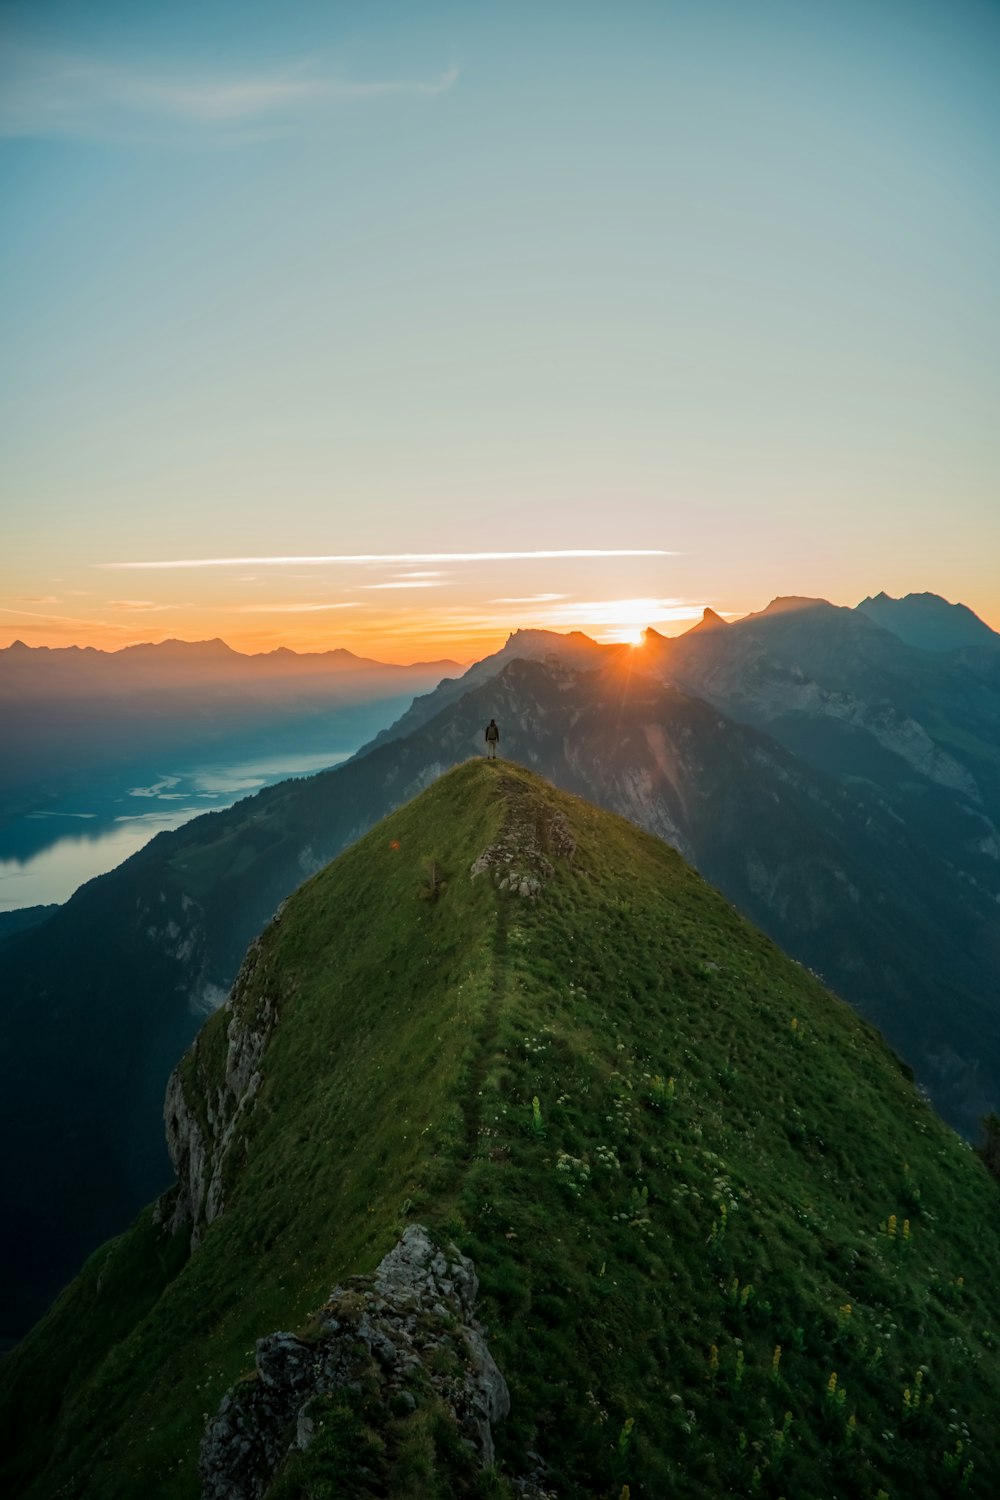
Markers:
<point>832,874</point>
<point>727,1194</point>
<point>831,871</point>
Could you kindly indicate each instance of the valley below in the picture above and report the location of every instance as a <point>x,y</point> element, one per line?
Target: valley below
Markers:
<point>46,855</point>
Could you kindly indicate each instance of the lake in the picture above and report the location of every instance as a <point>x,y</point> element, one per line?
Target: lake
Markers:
<point>46,856</point>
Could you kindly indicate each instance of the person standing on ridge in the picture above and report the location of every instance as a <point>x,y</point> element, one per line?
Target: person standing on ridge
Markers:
<point>492,739</point>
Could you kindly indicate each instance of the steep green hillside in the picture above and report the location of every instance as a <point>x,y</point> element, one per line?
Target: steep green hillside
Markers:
<point>723,1245</point>
<point>886,889</point>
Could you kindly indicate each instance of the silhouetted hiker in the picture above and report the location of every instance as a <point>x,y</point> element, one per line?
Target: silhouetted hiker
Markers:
<point>492,739</point>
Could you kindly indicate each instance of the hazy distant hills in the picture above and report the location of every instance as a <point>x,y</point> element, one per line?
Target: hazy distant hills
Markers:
<point>718,1245</point>
<point>76,718</point>
<point>838,784</point>
<point>45,671</point>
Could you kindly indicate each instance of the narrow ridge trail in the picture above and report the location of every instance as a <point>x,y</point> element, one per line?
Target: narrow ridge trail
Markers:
<point>488,1029</point>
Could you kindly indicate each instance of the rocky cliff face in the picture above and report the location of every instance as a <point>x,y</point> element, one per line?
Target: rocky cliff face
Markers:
<point>761,690</point>
<point>837,669</point>
<point>204,1109</point>
<point>406,1337</point>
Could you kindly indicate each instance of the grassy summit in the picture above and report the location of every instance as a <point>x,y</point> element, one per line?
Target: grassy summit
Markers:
<point>723,1245</point>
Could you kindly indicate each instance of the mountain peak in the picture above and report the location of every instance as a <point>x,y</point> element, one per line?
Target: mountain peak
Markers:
<point>928,621</point>
<point>787,604</point>
<point>709,621</point>
<point>525,635</point>
<point>573,646</point>
<point>172,648</point>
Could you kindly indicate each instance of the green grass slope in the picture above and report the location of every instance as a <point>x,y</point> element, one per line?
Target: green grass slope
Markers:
<point>724,1246</point>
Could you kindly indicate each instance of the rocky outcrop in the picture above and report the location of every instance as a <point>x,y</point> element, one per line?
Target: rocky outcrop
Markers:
<point>406,1334</point>
<point>519,859</point>
<point>205,1106</point>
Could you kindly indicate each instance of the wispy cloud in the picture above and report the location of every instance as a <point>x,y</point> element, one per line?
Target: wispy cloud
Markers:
<point>406,583</point>
<point>55,94</point>
<point>139,606</point>
<point>33,614</point>
<point>531,599</point>
<point>320,560</point>
<point>287,609</point>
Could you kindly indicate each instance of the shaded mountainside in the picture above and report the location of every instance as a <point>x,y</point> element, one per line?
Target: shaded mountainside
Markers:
<point>827,867</point>
<point>24,917</point>
<point>574,650</point>
<point>566,1135</point>
<point>855,699</point>
<point>930,622</point>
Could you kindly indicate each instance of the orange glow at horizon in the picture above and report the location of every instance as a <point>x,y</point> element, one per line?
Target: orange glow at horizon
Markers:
<point>456,628</point>
<point>461,618</point>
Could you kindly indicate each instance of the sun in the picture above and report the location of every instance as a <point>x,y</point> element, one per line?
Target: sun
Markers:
<point>625,633</point>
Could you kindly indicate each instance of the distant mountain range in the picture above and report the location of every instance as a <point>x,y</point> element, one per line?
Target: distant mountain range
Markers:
<point>76,718</point>
<point>27,671</point>
<point>839,784</point>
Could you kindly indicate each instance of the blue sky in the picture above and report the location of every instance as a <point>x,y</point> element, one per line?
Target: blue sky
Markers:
<point>713,281</point>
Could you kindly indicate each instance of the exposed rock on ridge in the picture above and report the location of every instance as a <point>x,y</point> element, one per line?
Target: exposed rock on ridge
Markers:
<point>392,1333</point>
<point>519,857</point>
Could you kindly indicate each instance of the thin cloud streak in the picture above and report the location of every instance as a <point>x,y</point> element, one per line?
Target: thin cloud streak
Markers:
<point>531,599</point>
<point>144,606</point>
<point>32,614</point>
<point>52,94</point>
<point>405,583</point>
<point>287,609</point>
<point>392,557</point>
